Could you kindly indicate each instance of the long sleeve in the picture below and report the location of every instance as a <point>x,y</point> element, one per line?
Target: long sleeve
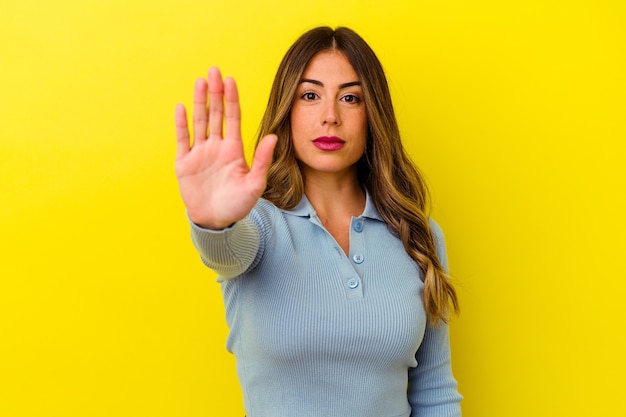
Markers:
<point>432,388</point>
<point>229,252</point>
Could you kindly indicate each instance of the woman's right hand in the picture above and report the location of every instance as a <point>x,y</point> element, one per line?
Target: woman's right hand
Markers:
<point>215,182</point>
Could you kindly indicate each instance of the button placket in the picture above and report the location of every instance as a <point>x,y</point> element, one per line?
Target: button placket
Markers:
<point>349,271</point>
<point>357,256</point>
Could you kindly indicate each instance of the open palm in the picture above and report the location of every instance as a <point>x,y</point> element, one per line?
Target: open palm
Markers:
<point>216,183</point>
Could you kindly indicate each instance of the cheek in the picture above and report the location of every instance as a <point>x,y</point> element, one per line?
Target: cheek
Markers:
<point>365,125</point>
<point>296,133</point>
<point>295,126</point>
<point>298,118</point>
<point>364,128</point>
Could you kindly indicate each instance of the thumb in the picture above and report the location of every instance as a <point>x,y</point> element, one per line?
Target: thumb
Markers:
<point>263,157</point>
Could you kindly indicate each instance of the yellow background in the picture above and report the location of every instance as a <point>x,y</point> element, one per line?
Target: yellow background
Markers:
<point>514,110</point>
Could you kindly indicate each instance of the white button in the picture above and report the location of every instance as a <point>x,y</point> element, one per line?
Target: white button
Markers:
<point>353,283</point>
<point>358,258</point>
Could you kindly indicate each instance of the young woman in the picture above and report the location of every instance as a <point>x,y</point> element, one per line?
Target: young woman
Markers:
<point>334,278</point>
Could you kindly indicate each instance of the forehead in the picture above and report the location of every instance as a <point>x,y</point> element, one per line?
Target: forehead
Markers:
<point>330,66</point>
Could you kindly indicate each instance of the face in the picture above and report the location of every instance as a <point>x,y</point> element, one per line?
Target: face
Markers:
<point>328,119</point>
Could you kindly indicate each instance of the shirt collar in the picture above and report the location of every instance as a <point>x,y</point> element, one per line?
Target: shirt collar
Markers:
<point>305,209</point>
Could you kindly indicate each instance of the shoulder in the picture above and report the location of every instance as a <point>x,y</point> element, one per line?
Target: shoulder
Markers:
<point>271,221</point>
<point>264,215</point>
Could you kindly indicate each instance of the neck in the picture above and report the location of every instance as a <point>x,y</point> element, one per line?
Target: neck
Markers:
<point>334,194</point>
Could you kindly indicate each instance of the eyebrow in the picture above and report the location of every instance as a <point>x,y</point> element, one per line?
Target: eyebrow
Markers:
<point>321,84</point>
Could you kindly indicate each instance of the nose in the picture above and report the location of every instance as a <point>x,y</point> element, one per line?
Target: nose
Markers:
<point>331,114</point>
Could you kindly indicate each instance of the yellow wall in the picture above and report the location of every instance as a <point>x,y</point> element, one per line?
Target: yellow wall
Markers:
<point>514,110</point>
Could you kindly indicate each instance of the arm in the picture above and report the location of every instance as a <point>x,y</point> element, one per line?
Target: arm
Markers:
<point>231,251</point>
<point>432,389</point>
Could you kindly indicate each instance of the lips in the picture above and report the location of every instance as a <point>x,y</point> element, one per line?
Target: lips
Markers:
<point>329,143</point>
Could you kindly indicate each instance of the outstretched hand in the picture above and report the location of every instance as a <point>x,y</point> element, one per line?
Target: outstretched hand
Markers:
<point>216,183</point>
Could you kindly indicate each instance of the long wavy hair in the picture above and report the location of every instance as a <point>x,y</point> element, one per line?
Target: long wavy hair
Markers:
<point>394,183</point>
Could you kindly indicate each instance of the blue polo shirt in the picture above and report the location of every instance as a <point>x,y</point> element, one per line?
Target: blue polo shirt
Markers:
<point>318,333</point>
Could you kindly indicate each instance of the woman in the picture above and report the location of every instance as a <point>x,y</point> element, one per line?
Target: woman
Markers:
<point>334,278</point>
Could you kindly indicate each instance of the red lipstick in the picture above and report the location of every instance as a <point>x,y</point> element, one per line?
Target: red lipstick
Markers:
<point>329,143</point>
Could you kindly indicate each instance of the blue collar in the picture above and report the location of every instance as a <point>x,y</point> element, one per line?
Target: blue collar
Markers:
<point>305,209</point>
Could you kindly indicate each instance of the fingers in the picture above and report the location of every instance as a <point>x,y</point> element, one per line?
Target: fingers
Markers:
<point>216,106</point>
<point>233,111</point>
<point>182,131</point>
<point>209,112</point>
<point>199,111</point>
<point>262,160</point>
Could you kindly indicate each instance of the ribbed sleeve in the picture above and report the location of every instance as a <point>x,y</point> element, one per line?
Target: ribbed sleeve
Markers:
<point>231,251</point>
<point>432,389</point>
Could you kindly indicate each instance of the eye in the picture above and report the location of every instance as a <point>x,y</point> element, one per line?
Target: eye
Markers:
<point>309,96</point>
<point>351,98</point>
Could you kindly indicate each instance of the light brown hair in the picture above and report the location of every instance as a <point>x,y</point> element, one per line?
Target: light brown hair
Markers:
<point>394,183</point>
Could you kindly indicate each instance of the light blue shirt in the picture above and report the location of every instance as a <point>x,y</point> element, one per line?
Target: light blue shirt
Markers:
<point>317,333</point>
